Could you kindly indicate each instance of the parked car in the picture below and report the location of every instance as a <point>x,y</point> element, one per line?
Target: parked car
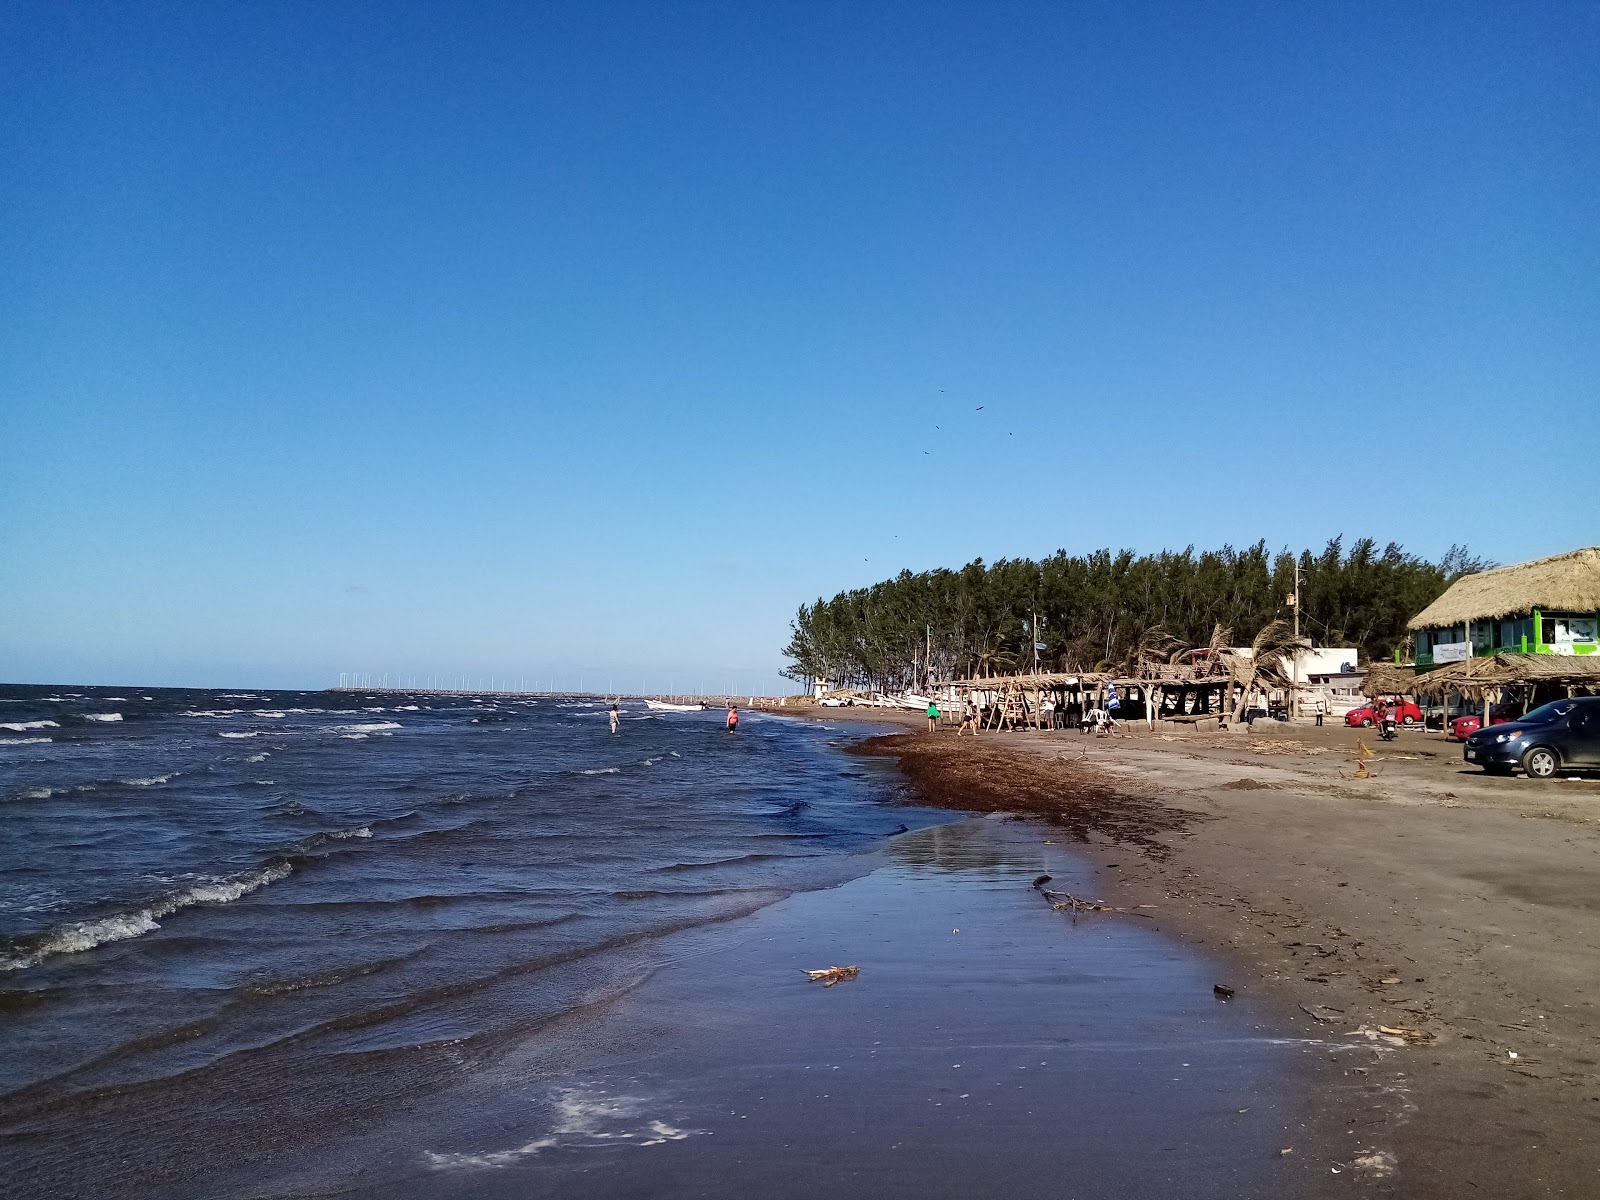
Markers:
<point>1405,712</point>
<point>1467,724</point>
<point>1561,735</point>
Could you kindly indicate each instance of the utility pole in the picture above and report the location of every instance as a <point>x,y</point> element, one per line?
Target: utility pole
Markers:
<point>1294,663</point>
<point>1295,599</point>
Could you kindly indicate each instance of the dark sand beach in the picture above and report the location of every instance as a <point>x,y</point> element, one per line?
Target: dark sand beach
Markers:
<point>1458,909</point>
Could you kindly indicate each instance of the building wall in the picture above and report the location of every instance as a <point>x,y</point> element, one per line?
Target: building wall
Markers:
<point>1536,632</point>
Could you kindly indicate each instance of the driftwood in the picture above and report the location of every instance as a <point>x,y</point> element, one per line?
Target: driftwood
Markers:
<point>1067,902</point>
<point>828,976</point>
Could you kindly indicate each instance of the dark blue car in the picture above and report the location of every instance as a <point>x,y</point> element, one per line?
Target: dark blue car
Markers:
<point>1562,735</point>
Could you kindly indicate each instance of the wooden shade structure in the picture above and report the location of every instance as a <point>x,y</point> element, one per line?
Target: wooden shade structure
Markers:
<point>1387,679</point>
<point>1487,678</point>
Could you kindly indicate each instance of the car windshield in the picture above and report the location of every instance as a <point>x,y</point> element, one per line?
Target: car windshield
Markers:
<point>1546,713</point>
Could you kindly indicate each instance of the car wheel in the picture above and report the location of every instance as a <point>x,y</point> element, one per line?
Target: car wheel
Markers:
<point>1540,762</point>
<point>1366,722</point>
<point>1408,720</point>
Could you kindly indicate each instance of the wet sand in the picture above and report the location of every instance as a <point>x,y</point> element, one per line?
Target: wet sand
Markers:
<point>990,1045</point>
<point>1456,908</point>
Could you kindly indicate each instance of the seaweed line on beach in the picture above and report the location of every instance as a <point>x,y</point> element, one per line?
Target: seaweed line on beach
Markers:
<point>979,776</point>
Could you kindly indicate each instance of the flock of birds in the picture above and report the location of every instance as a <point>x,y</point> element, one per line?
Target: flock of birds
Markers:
<point>939,429</point>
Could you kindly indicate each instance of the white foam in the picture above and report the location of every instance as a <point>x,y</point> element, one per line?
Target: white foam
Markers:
<point>24,741</point>
<point>102,716</point>
<point>212,712</point>
<point>370,727</point>
<point>252,733</point>
<point>601,771</point>
<point>270,714</point>
<point>354,737</point>
<point>363,832</point>
<point>583,1118</point>
<point>86,935</point>
<point>24,726</point>
<point>151,782</point>
<point>258,758</point>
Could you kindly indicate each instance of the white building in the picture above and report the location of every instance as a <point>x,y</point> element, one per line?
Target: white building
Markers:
<point>1333,672</point>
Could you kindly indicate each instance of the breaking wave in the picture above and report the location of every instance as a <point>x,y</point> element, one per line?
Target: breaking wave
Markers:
<point>86,935</point>
<point>24,741</point>
<point>24,726</point>
<point>370,727</point>
<point>102,716</point>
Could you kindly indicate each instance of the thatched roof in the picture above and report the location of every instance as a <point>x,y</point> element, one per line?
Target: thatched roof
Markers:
<point>1386,679</point>
<point>1567,581</point>
<point>1231,667</point>
<point>1474,676</point>
<point>1044,679</point>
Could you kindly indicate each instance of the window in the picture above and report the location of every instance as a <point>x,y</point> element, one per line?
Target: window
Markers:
<point>1574,629</point>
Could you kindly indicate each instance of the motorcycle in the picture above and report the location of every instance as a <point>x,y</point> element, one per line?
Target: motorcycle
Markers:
<point>1386,729</point>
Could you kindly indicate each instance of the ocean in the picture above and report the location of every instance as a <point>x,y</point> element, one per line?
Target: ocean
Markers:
<point>294,944</point>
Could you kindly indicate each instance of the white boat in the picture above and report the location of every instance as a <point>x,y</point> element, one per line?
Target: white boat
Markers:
<point>663,706</point>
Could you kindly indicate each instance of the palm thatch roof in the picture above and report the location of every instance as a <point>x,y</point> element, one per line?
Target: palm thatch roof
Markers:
<point>1475,676</point>
<point>1387,679</point>
<point>1568,581</point>
<point>1044,679</point>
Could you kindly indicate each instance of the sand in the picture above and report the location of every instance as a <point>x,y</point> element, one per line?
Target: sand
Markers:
<point>1457,908</point>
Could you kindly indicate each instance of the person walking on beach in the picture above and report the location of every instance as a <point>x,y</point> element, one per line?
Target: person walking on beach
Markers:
<point>733,718</point>
<point>615,716</point>
<point>933,716</point>
<point>969,719</point>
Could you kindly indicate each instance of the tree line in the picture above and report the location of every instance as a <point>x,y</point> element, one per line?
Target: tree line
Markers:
<point>1093,611</point>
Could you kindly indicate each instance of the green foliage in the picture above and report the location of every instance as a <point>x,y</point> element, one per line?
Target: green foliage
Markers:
<point>1101,608</point>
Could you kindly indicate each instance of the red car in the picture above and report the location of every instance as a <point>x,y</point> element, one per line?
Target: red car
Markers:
<point>1405,711</point>
<point>1462,727</point>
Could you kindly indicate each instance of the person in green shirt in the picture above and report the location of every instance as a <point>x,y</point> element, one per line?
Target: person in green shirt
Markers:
<point>933,716</point>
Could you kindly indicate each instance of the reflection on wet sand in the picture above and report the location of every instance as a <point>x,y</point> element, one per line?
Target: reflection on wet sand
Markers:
<point>968,846</point>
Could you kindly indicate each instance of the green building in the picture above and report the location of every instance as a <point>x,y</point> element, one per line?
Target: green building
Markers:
<point>1548,606</point>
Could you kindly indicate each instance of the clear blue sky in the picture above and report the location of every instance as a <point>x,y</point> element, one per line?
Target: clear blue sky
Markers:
<point>586,338</point>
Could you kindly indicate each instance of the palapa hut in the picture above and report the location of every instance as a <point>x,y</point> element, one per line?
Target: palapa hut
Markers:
<point>1534,678</point>
<point>1387,679</point>
<point>1189,692</point>
<point>1550,606</point>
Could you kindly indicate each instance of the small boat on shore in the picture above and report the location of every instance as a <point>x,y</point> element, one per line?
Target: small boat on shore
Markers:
<point>664,706</point>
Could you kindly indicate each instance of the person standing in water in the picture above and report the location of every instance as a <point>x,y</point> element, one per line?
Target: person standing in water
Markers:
<point>615,716</point>
<point>733,718</point>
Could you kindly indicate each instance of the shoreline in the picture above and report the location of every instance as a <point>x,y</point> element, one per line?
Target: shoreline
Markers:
<point>1455,909</point>
<point>979,1020</point>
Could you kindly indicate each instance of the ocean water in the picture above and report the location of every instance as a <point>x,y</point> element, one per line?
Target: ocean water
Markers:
<point>247,916</point>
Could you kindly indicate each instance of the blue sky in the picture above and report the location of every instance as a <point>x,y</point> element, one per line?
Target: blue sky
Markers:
<point>561,340</point>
